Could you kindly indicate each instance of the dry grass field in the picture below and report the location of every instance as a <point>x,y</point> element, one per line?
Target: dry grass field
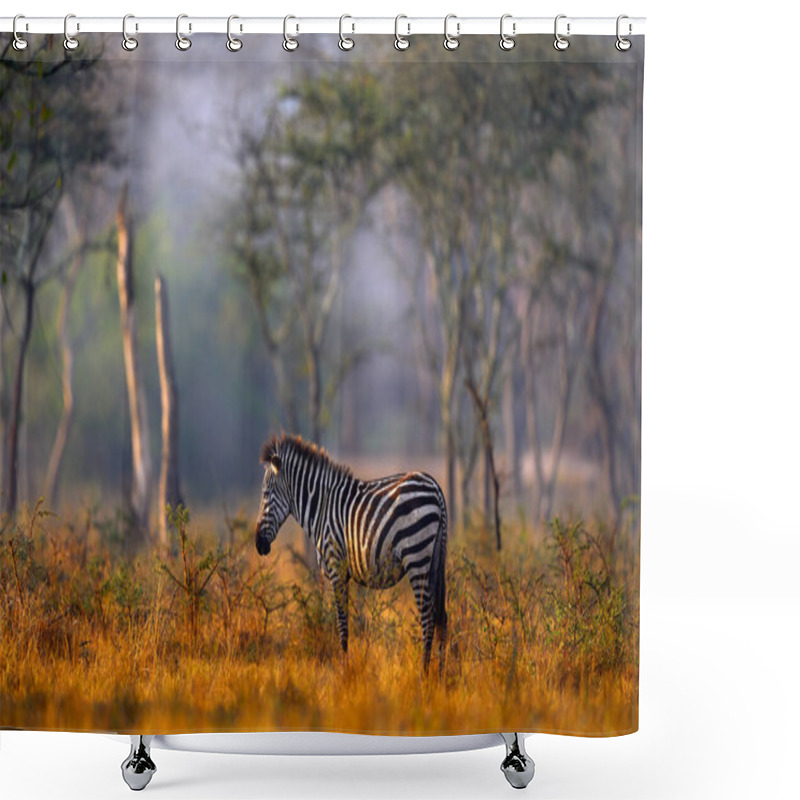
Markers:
<point>543,636</point>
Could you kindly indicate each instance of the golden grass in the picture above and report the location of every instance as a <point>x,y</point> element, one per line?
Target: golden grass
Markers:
<point>543,636</point>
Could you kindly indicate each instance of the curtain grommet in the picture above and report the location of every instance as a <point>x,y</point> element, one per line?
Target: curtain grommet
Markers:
<point>290,43</point>
<point>183,43</point>
<point>401,43</point>
<point>129,43</point>
<point>233,44</point>
<point>451,42</point>
<point>622,44</point>
<point>560,43</point>
<point>18,43</point>
<point>346,43</point>
<point>70,42</point>
<point>507,41</point>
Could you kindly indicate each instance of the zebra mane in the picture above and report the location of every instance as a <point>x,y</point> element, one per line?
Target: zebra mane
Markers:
<point>307,451</point>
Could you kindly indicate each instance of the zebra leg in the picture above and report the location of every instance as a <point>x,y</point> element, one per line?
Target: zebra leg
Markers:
<point>442,637</point>
<point>419,584</point>
<point>340,595</point>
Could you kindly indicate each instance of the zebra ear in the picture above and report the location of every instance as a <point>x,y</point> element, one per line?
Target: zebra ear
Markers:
<point>275,461</point>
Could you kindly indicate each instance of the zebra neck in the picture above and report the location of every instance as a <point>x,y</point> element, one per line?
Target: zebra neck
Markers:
<point>316,494</point>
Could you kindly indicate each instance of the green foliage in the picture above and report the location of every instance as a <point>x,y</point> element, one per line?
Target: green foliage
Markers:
<point>318,619</point>
<point>114,529</point>
<point>589,619</point>
<point>196,572</point>
<point>20,546</point>
<point>90,616</point>
<point>126,592</point>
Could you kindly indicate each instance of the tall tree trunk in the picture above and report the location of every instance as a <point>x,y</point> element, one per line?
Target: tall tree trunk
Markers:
<point>169,490</point>
<point>531,415</point>
<point>140,443</point>
<point>560,424</point>
<point>3,403</point>
<point>15,421</point>
<point>349,438</point>
<point>600,395</point>
<point>286,392</point>
<point>510,432</point>
<point>51,481</point>
<point>450,465</point>
<point>314,395</point>
<point>315,432</point>
<point>487,482</point>
<point>492,504</point>
<point>544,491</point>
<point>286,396</point>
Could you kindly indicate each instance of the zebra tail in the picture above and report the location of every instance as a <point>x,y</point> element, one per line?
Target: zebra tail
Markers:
<point>437,577</point>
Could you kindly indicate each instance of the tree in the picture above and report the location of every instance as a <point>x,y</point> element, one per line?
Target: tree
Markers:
<point>305,179</point>
<point>612,332</point>
<point>463,161</point>
<point>78,235</point>
<point>55,129</point>
<point>551,346</point>
<point>577,288</point>
<point>141,487</point>
<point>169,489</point>
<point>81,226</point>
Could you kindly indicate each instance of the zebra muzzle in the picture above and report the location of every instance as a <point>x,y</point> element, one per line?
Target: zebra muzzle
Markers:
<point>262,545</point>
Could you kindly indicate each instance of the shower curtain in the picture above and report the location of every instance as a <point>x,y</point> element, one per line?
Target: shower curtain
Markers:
<point>320,386</point>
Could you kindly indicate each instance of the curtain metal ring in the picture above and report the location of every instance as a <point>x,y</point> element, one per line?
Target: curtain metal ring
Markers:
<point>129,43</point>
<point>182,42</point>
<point>451,42</point>
<point>70,42</point>
<point>507,42</point>
<point>18,43</point>
<point>345,42</point>
<point>622,44</point>
<point>290,43</point>
<point>560,42</point>
<point>233,44</point>
<point>401,42</point>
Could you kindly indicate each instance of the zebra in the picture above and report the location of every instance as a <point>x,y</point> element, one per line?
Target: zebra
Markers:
<point>373,532</point>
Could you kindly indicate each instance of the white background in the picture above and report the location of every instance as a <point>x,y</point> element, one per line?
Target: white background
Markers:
<point>720,542</point>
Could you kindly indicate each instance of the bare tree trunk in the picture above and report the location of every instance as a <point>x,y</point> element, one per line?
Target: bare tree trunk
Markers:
<point>487,482</point>
<point>560,425</point>
<point>315,432</point>
<point>599,393</point>
<point>285,394</point>
<point>531,416</point>
<point>510,431</point>
<point>10,474</point>
<point>140,444</point>
<point>314,395</point>
<point>481,404</point>
<point>169,490</point>
<point>546,483</point>
<point>450,458</point>
<point>51,481</point>
<point>350,440</point>
<point>3,404</point>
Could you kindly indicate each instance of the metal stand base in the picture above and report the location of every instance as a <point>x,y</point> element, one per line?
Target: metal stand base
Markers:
<point>517,766</point>
<point>138,768</point>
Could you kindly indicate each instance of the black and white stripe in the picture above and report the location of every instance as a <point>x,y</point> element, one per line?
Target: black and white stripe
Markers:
<point>373,532</point>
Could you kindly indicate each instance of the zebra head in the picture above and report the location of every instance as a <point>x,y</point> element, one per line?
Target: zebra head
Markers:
<point>275,501</point>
